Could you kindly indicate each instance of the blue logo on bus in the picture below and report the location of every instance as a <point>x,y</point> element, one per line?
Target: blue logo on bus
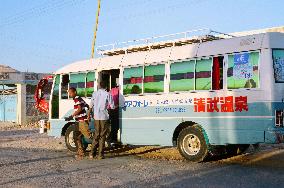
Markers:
<point>241,59</point>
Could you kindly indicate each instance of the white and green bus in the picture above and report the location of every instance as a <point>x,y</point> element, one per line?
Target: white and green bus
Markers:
<point>196,93</point>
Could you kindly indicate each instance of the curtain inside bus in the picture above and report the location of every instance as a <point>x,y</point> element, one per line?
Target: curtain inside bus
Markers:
<point>78,81</point>
<point>217,74</point>
<point>203,74</point>
<point>90,84</point>
<point>154,78</point>
<point>132,80</point>
<point>278,65</point>
<point>182,76</point>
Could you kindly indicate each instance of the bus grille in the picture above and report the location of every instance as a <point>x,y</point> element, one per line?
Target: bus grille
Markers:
<point>279,118</point>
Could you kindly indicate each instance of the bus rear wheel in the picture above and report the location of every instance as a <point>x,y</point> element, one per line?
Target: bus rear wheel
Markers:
<point>237,149</point>
<point>69,139</point>
<point>192,144</point>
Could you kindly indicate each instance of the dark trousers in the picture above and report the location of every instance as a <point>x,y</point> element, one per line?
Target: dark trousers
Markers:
<point>114,121</point>
<point>102,128</point>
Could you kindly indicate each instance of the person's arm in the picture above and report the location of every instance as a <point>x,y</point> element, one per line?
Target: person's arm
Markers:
<point>78,111</point>
<point>89,113</point>
<point>91,108</point>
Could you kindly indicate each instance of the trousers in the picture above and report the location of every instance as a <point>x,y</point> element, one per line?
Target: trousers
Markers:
<point>82,129</point>
<point>102,128</point>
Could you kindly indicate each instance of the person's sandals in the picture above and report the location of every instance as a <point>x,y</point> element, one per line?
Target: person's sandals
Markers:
<point>100,157</point>
<point>91,156</point>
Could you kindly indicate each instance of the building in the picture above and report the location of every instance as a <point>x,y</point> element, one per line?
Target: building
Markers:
<point>16,96</point>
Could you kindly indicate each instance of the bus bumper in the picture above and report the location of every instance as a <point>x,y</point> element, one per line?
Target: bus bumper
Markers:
<point>55,127</point>
<point>274,136</point>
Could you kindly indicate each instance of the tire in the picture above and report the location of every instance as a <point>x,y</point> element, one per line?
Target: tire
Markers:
<point>242,148</point>
<point>69,139</point>
<point>236,149</point>
<point>192,145</point>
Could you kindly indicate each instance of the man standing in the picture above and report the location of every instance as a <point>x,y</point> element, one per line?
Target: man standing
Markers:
<point>114,114</point>
<point>100,101</point>
<point>81,117</point>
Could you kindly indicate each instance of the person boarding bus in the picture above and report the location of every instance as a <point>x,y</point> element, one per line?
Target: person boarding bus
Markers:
<point>101,99</point>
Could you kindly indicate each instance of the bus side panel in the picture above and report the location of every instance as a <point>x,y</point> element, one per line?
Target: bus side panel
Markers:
<point>235,131</point>
<point>219,131</point>
<point>148,131</point>
<point>151,126</point>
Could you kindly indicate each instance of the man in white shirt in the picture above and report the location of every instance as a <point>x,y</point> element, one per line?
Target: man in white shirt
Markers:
<point>100,102</point>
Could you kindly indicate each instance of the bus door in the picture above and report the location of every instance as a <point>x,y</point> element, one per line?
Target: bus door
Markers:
<point>111,78</point>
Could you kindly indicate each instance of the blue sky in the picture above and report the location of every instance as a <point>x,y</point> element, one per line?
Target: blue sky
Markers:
<point>42,36</point>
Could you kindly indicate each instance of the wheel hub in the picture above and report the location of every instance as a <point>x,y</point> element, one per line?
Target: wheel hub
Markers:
<point>191,144</point>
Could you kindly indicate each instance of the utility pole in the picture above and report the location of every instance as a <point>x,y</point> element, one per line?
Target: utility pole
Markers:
<point>96,29</point>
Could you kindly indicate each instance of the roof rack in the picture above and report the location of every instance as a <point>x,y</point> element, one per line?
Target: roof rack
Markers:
<point>159,42</point>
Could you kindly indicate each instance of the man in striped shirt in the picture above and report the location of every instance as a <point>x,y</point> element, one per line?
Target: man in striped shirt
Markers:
<point>80,115</point>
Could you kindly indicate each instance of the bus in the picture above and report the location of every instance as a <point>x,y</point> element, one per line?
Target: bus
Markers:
<point>201,94</point>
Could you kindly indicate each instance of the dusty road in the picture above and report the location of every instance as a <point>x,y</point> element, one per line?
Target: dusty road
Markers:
<point>28,159</point>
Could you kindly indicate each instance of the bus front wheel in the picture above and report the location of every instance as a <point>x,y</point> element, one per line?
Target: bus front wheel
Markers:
<point>69,139</point>
<point>192,144</point>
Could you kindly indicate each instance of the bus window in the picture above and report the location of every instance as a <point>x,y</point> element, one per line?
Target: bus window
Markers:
<point>278,64</point>
<point>154,78</point>
<point>55,98</point>
<point>64,86</point>
<point>217,75</point>
<point>203,74</point>
<point>243,70</point>
<point>78,81</point>
<point>132,80</point>
<point>182,76</point>
<point>90,84</point>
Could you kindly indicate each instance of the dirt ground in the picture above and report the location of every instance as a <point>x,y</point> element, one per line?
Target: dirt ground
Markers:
<point>30,159</point>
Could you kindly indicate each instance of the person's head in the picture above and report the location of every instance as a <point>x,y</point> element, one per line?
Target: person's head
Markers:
<point>72,92</point>
<point>102,85</point>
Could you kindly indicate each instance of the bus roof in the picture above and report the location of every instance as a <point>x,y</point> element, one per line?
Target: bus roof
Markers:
<point>188,51</point>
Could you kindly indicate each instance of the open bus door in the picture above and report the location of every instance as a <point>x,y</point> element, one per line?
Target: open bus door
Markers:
<point>41,101</point>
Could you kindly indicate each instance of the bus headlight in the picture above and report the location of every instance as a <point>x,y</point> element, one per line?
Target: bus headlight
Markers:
<point>48,125</point>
